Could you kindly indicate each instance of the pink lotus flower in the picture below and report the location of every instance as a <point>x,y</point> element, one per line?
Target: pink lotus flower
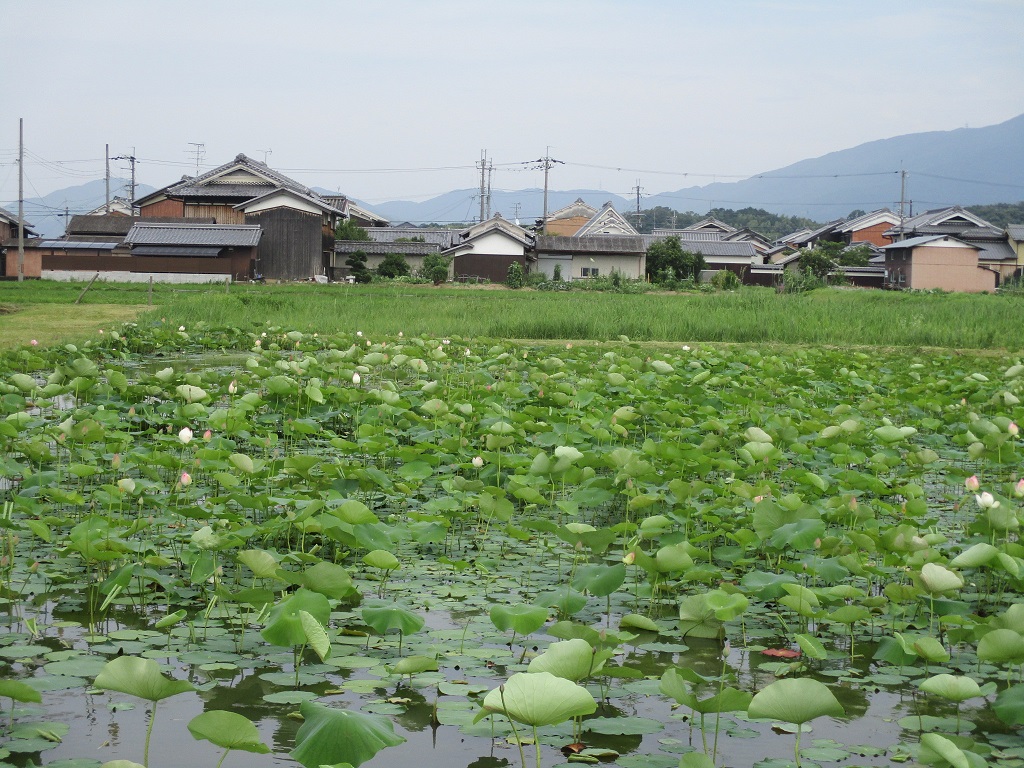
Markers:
<point>972,484</point>
<point>356,378</point>
<point>986,501</point>
<point>34,343</point>
<point>207,435</point>
<point>258,343</point>
<point>232,387</point>
<point>186,479</point>
<point>630,558</point>
<point>1018,489</point>
<point>1013,429</point>
<point>478,462</point>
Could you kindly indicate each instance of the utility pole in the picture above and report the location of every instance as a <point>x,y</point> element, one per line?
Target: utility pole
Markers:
<point>266,153</point>
<point>516,207</point>
<point>903,194</point>
<point>490,177</point>
<point>131,191</point>
<point>21,199</point>
<point>199,152</point>
<point>638,189</point>
<point>548,161</point>
<point>482,165</point>
<point>106,155</point>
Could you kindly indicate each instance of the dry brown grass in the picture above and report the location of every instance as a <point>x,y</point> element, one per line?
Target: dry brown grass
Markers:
<point>56,324</point>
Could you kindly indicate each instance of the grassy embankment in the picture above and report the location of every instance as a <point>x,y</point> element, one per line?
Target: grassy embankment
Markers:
<point>841,317</point>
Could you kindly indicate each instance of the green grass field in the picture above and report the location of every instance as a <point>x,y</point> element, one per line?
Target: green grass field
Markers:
<point>832,317</point>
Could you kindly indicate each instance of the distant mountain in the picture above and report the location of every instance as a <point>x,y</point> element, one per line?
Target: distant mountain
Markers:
<point>967,166</point>
<point>47,213</point>
<point>962,167</point>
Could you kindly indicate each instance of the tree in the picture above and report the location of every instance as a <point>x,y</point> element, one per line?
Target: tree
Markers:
<point>435,268</point>
<point>393,265</point>
<point>349,230</point>
<point>556,273</point>
<point>356,264</point>
<point>667,258</point>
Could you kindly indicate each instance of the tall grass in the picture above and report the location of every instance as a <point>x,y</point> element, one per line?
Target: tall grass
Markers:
<point>840,317</point>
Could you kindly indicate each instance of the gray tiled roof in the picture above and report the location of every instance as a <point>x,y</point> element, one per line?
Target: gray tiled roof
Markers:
<point>382,249</point>
<point>913,242</point>
<point>441,237</point>
<point>70,245</point>
<point>990,251</point>
<point>223,235</point>
<point>721,248</point>
<point>592,244</point>
<point>230,191</point>
<point>12,218</point>
<point>317,201</point>
<point>1016,231</point>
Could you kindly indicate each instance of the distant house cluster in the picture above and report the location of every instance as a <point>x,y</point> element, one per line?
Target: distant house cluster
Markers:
<point>244,220</point>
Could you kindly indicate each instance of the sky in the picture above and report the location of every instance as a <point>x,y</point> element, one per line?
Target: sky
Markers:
<point>396,99</point>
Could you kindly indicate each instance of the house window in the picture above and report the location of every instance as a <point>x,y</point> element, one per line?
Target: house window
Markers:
<point>588,272</point>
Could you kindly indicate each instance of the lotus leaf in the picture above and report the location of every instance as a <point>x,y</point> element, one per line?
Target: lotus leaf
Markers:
<point>330,736</point>
<point>227,729</point>
<point>937,579</point>
<point>795,700</point>
<point>953,687</point>
<point>539,699</point>
<point>284,624</point>
<point>1002,646</point>
<point>571,659</point>
<point>520,618</point>
<point>139,677</point>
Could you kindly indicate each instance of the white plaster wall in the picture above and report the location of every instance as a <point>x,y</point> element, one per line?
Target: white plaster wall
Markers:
<point>71,275</point>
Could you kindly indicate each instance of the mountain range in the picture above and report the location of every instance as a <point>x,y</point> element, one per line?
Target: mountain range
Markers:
<point>966,166</point>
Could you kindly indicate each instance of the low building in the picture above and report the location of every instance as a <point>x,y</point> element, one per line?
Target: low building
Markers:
<point>937,262</point>
<point>594,256</point>
<point>376,252</point>
<point>485,251</point>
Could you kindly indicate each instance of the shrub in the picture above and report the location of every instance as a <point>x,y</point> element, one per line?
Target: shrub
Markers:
<point>435,268</point>
<point>516,277</point>
<point>799,281</point>
<point>356,264</point>
<point>725,280</point>
<point>556,273</point>
<point>394,265</point>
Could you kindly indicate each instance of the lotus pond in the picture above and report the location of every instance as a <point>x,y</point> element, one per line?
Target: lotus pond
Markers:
<point>279,548</point>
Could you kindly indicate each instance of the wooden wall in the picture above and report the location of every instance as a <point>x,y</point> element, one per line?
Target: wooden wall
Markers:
<point>292,244</point>
<point>489,267</point>
<point>163,208</point>
<point>236,263</point>
<point>224,214</point>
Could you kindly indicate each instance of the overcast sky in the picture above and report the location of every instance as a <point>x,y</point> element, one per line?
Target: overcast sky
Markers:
<point>338,90</point>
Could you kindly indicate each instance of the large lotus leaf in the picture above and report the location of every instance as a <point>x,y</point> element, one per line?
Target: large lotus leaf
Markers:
<point>673,683</point>
<point>413,665</point>
<point>953,687</point>
<point>1009,705</point>
<point>795,700</point>
<point>697,618</point>
<point>260,562</point>
<point>571,659</point>
<point>331,736</point>
<point>599,580</point>
<point>354,512</point>
<point>540,698</point>
<point>673,558</point>
<point>938,750</point>
<point>979,554</point>
<point>520,618</point>
<point>891,434</point>
<point>191,394</point>
<point>139,677</point>
<point>227,729</point>
<point>1011,618</point>
<point>928,648</point>
<point>727,606</point>
<point>384,618</point>
<point>1002,646</point>
<point>381,558</point>
<point>566,599</point>
<point>937,579</point>
<point>316,635</point>
<point>328,579</point>
<point>18,691</point>
<point>284,625</point>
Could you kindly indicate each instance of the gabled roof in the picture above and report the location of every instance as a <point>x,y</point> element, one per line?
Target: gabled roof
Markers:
<point>120,206</point>
<point>690,234</point>
<point>242,178</point>
<point>220,235</point>
<point>314,200</point>
<point>883,215</point>
<point>1015,231</point>
<point>816,234</point>
<point>578,208</point>
<point>607,221</point>
<point>914,242</point>
<point>741,249</point>
<point>598,244</point>
<point>496,223</point>
<point>117,225</point>
<point>344,204</point>
<point>713,224</point>
<point>952,220</point>
<point>12,219</point>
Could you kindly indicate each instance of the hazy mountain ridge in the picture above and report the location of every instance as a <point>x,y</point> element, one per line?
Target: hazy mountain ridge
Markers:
<point>46,213</point>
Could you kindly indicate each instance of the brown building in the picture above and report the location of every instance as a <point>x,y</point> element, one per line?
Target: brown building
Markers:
<point>939,262</point>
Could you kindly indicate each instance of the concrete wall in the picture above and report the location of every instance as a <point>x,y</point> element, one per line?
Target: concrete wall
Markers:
<point>628,266</point>
<point>32,266</point>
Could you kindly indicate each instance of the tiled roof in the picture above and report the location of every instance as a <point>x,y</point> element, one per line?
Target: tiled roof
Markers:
<point>913,242</point>
<point>721,248</point>
<point>317,201</point>
<point>1016,231</point>
<point>12,218</point>
<point>990,251</point>
<point>70,245</point>
<point>593,244</point>
<point>382,249</point>
<point>223,235</point>
<point>441,237</point>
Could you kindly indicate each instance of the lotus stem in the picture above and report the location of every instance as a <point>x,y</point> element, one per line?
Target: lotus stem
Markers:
<point>149,733</point>
<point>219,762</point>
<point>519,742</point>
